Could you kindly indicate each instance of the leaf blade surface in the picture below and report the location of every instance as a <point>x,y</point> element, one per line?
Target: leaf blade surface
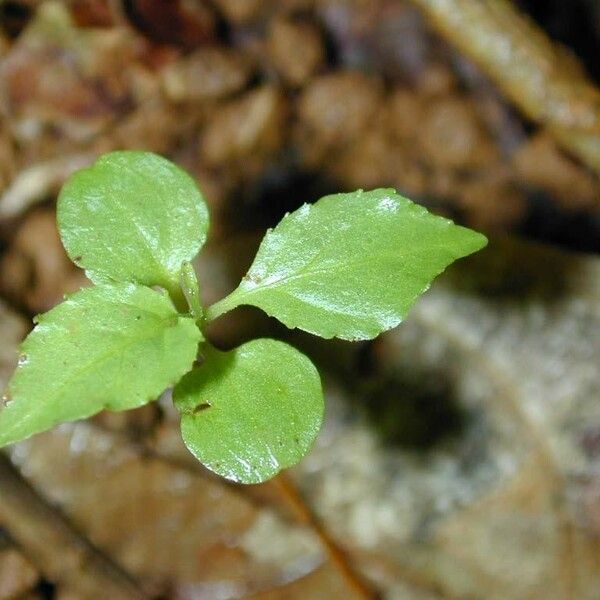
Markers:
<point>108,346</point>
<point>132,216</point>
<point>249,413</point>
<point>351,265</point>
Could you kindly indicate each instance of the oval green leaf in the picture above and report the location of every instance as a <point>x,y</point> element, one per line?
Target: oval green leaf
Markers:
<point>249,413</point>
<point>110,346</point>
<point>132,216</point>
<point>351,265</point>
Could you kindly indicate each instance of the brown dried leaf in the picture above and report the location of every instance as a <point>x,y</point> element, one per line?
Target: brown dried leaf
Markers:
<point>36,271</point>
<point>334,110</point>
<point>248,129</point>
<point>452,136</point>
<point>540,164</point>
<point>209,73</point>
<point>296,50</point>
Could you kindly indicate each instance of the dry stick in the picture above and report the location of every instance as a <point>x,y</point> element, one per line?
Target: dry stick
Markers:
<point>305,515</point>
<point>55,546</point>
<point>541,78</point>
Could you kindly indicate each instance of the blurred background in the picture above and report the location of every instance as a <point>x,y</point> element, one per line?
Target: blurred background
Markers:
<point>461,452</point>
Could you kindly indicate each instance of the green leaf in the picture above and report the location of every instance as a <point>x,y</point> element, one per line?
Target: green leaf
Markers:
<point>351,265</point>
<point>109,346</point>
<point>132,216</point>
<point>249,413</point>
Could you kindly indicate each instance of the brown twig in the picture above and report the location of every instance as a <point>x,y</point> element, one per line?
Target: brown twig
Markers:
<point>55,546</point>
<point>305,515</point>
<point>541,78</point>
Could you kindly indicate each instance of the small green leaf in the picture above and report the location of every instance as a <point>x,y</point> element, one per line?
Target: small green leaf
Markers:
<point>132,216</point>
<point>109,346</point>
<point>249,413</point>
<point>351,265</point>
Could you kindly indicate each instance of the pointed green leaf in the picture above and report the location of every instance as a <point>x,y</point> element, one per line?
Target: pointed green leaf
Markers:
<point>109,346</point>
<point>249,413</point>
<point>351,265</point>
<point>132,216</point>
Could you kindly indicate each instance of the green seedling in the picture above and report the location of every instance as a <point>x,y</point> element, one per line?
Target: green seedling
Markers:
<point>349,266</point>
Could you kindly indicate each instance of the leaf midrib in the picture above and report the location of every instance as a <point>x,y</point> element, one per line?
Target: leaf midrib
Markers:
<point>338,266</point>
<point>239,295</point>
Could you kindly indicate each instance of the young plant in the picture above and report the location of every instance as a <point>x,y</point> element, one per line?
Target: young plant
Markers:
<point>349,266</point>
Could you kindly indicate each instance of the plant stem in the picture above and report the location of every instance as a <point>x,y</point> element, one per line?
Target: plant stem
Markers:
<point>191,290</point>
<point>178,298</point>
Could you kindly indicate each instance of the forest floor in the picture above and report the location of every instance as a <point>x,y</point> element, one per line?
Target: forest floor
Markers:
<point>461,452</point>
